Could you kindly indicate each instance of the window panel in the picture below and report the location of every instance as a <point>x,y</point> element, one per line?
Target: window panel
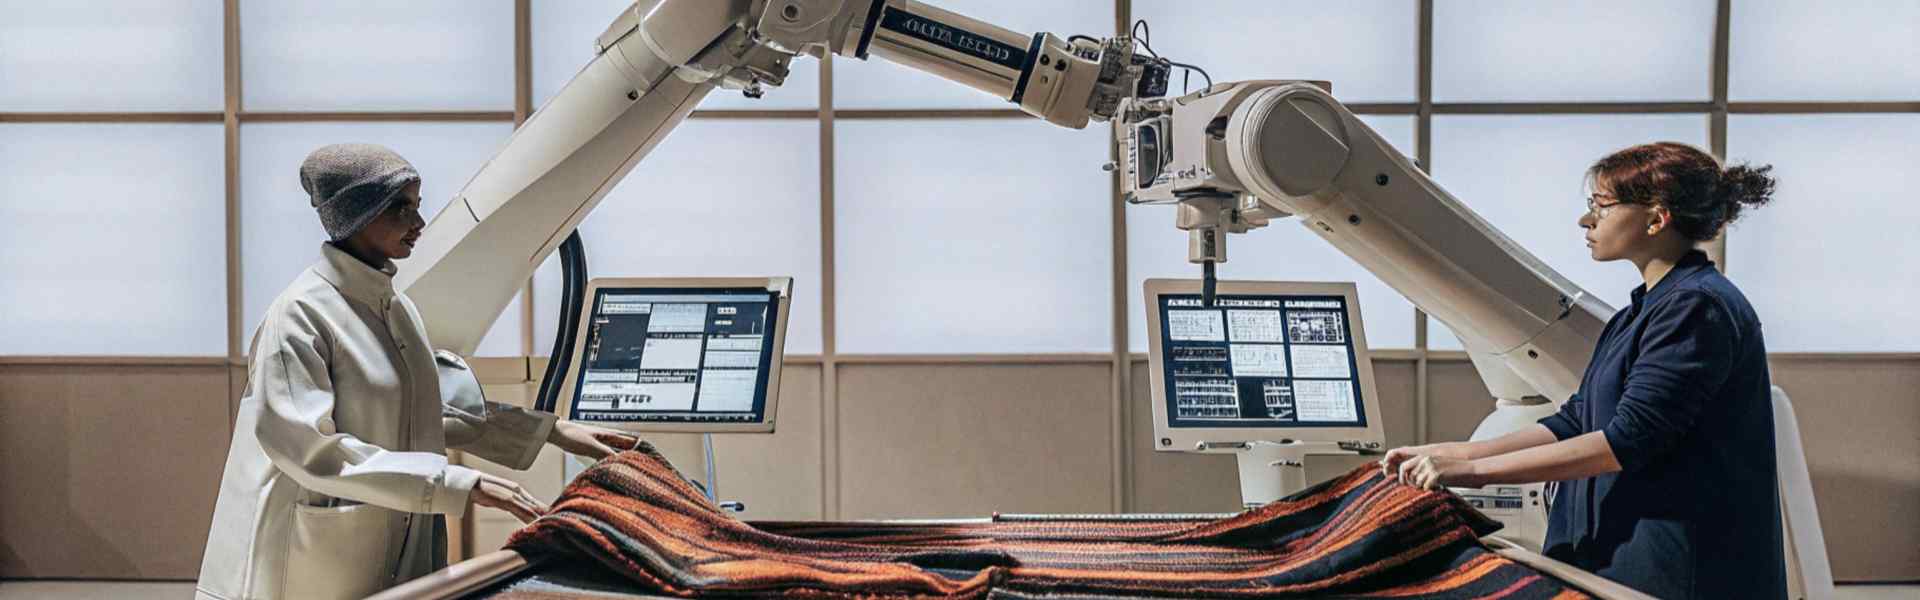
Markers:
<point>98,55</point>
<point>1281,251</point>
<point>972,236</point>
<point>877,83</point>
<point>1829,263</point>
<point>1526,176</point>
<point>104,229</point>
<point>1366,48</point>
<point>364,55</point>
<point>564,32</point>
<point>280,233</point>
<point>1617,50</point>
<point>1812,50</point>
<point>685,212</point>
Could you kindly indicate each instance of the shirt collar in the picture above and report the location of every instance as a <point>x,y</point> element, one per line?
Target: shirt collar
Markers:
<point>1693,261</point>
<point>356,279</point>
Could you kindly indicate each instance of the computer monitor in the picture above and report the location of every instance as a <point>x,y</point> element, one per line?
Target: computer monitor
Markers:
<point>1267,361</point>
<point>679,354</point>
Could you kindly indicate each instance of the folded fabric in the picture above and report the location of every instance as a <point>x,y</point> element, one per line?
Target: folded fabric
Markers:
<point>1355,536</point>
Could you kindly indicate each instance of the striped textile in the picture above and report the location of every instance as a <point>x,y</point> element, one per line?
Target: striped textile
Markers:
<point>1355,536</point>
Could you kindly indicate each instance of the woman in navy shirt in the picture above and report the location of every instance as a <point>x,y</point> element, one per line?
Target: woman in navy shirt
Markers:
<point>1666,452</point>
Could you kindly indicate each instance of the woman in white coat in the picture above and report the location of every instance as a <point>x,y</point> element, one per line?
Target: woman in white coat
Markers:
<point>337,483</point>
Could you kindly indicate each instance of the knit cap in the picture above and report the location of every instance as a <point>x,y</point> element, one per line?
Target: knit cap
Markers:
<point>350,184</point>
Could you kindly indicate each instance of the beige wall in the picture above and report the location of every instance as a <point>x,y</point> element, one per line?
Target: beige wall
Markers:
<point>916,438</point>
<point>109,471</point>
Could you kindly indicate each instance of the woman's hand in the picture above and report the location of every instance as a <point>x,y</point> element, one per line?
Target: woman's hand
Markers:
<point>1390,465</point>
<point>1434,472</point>
<point>586,440</point>
<point>506,494</point>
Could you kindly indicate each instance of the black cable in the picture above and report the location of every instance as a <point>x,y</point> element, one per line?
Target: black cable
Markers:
<point>1142,32</point>
<point>573,275</point>
<point>1191,69</point>
<point>1077,37</point>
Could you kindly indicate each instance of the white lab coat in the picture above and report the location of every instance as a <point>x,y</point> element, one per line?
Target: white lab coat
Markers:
<point>337,483</point>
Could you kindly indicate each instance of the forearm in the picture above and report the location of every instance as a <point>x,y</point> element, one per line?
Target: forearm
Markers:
<point>1578,457</point>
<point>1530,437</point>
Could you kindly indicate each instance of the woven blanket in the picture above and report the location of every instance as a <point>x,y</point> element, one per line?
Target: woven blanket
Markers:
<point>1355,536</point>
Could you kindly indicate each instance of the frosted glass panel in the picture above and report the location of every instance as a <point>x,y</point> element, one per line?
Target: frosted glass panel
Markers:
<point>1282,251</point>
<point>1366,48</point>
<point>1814,50</point>
<point>563,35</point>
<point>280,233</point>
<point>683,212</point>
<point>369,55</point>
<point>1525,175</point>
<point>1830,264</point>
<point>1514,50</point>
<point>972,236</point>
<point>877,83</point>
<point>101,55</point>
<point>112,240</point>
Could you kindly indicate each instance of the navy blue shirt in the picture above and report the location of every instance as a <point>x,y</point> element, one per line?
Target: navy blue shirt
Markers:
<point>1679,386</point>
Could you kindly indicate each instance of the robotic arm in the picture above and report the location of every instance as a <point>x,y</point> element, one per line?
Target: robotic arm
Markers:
<point>1238,155</point>
<point>658,60</point>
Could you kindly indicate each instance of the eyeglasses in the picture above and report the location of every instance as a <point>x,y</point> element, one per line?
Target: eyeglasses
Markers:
<point>1597,209</point>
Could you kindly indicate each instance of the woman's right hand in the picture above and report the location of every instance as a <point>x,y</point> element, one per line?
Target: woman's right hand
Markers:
<point>1390,464</point>
<point>506,494</point>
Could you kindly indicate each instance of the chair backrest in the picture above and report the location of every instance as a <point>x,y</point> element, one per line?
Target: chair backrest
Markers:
<point>1806,546</point>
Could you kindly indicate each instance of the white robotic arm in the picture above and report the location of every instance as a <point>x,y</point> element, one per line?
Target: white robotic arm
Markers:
<point>1238,155</point>
<point>657,61</point>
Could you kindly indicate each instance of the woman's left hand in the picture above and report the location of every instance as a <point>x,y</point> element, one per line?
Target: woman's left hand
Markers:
<point>1434,472</point>
<point>584,440</point>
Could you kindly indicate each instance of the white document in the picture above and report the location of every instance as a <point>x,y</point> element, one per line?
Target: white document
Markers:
<point>664,396</point>
<point>742,343</point>
<point>636,396</point>
<point>1320,361</point>
<point>1256,326</point>
<point>727,390</point>
<point>1196,326</point>
<point>671,354</point>
<point>1325,401</point>
<point>1259,360</point>
<point>678,318</point>
<point>734,360</point>
<point>1316,327</point>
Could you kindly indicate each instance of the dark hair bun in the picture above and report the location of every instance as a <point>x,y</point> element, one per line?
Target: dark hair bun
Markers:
<point>1702,197</point>
<point>1742,186</point>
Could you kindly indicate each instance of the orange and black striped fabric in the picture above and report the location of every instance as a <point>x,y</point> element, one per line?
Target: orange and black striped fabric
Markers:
<point>1356,536</point>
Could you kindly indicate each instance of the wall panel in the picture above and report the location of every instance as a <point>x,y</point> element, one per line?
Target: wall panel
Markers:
<point>109,472</point>
<point>1860,422</point>
<point>969,440</point>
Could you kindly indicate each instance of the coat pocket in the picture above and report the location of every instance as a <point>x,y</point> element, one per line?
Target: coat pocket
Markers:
<point>337,551</point>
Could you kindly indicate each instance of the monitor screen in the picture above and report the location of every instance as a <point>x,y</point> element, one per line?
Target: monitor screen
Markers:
<point>695,355</point>
<point>1260,361</point>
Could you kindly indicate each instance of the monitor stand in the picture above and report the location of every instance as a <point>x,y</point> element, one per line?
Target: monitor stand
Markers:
<point>1273,470</point>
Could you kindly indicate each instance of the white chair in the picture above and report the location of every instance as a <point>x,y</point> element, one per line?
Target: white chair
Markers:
<point>1809,575</point>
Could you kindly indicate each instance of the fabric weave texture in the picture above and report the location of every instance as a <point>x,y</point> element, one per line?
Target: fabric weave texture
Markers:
<point>1355,536</point>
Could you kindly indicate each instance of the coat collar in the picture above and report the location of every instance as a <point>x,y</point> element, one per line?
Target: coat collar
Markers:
<point>355,279</point>
<point>1692,262</point>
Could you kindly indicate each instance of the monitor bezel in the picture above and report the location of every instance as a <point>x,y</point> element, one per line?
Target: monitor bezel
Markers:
<point>781,287</point>
<point>1167,438</point>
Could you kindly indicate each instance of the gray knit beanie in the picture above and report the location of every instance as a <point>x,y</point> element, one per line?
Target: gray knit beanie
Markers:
<point>351,183</point>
